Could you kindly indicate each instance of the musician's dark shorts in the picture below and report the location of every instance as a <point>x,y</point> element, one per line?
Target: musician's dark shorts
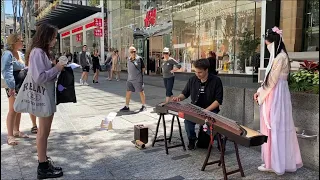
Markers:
<point>86,69</point>
<point>135,86</point>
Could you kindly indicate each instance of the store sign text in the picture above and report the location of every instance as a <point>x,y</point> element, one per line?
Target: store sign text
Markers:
<point>151,17</point>
<point>77,29</point>
<point>65,34</point>
<point>98,22</point>
<point>78,37</point>
<point>98,32</point>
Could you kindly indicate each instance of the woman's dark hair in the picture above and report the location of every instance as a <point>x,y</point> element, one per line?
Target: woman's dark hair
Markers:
<point>202,64</point>
<point>42,38</point>
<point>212,54</point>
<point>279,46</point>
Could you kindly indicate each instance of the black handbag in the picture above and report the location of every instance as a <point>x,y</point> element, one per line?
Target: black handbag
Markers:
<point>65,90</point>
<point>19,77</point>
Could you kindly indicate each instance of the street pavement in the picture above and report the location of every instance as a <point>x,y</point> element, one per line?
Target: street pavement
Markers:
<point>85,151</point>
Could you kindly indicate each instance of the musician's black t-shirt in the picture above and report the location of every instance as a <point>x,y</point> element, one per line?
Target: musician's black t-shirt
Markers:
<point>202,96</point>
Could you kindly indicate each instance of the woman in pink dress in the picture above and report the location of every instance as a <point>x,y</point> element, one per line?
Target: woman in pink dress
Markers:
<point>281,153</point>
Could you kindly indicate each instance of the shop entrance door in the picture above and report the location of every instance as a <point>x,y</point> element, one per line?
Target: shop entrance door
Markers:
<point>142,46</point>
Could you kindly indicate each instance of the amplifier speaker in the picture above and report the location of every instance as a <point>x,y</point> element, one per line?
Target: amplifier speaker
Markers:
<point>141,133</point>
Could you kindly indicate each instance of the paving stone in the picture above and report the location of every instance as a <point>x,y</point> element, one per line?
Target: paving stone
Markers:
<point>85,151</point>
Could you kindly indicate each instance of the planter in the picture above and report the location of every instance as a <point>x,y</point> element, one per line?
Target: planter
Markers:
<point>249,69</point>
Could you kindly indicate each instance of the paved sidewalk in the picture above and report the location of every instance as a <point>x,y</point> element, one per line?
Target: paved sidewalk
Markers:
<point>86,152</point>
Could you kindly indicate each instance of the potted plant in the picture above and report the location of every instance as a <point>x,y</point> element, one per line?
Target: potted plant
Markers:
<point>306,79</point>
<point>248,45</point>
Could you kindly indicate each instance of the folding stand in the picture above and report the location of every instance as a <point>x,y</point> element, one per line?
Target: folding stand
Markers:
<point>221,161</point>
<point>161,116</point>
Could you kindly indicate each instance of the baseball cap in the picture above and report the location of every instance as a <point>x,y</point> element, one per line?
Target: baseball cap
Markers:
<point>165,50</point>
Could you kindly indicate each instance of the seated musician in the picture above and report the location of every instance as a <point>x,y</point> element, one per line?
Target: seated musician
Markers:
<point>206,91</point>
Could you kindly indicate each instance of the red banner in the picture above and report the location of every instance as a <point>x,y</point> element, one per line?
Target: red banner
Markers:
<point>98,22</point>
<point>98,32</point>
<point>77,29</point>
<point>65,34</point>
<point>151,17</point>
<point>89,25</point>
<point>79,37</point>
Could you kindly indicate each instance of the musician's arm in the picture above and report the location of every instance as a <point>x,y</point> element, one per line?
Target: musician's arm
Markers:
<point>186,91</point>
<point>218,96</point>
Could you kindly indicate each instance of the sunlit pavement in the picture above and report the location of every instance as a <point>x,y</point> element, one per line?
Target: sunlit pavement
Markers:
<point>86,152</point>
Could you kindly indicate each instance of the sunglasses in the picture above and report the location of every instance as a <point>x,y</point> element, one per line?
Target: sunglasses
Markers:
<point>133,52</point>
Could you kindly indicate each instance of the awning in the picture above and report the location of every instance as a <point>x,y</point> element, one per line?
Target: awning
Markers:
<point>66,13</point>
<point>163,32</point>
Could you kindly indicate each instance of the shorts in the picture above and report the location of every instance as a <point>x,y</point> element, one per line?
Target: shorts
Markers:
<point>135,86</point>
<point>86,69</point>
<point>168,84</point>
<point>95,68</point>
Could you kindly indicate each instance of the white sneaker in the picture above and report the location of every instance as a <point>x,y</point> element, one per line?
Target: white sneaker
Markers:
<point>264,169</point>
<point>86,84</point>
<point>81,82</point>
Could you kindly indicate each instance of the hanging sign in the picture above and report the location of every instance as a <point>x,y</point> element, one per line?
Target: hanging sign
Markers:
<point>79,37</point>
<point>98,32</point>
<point>151,17</point>
<point>97,22</point>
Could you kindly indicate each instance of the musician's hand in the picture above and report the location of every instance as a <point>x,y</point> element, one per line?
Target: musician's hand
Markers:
<point>176,99</point>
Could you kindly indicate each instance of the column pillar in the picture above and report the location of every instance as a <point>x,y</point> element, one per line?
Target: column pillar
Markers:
<point>84,35</point>
<point>291,23</point>
<point>263,27</point>
<point>103,34</point>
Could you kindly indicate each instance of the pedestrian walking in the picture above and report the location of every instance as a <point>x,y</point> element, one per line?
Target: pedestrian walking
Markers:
<point>136,68</point>
<point>169,66</point>
<point>85,62</point>
<point>96,65</point>
<point>116,65</point>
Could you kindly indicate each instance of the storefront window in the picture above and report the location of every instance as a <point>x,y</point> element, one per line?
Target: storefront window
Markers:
<point>65,45</point>
<point>93,42</point>
<point>184,36</point>
<point>77,43</point>
<point>215,26</point>
<point>311,42</point>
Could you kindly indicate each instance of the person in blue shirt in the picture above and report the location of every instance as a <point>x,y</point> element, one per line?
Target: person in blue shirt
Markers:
<point>12,62</point>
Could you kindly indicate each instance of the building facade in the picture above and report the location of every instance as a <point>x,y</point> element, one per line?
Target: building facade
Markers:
<point>192,28</point>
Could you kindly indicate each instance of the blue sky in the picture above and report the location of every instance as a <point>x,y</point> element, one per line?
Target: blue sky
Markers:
<point>8,7</point>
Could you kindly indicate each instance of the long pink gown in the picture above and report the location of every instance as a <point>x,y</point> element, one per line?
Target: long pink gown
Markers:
<point>281,153</point>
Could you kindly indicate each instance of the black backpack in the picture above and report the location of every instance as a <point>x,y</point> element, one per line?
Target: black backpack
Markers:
<point>203,139</point>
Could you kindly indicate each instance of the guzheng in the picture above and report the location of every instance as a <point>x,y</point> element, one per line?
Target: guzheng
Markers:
<point>231,129</point>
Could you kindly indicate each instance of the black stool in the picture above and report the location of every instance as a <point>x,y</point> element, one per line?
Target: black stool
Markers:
<point>161,116</point>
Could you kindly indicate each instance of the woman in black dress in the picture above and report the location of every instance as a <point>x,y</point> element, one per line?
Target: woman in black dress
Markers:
<point>212,57</point>
<point>96,65</point>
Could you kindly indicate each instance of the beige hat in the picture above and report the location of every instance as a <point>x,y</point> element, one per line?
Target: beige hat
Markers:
<point>165,50</point>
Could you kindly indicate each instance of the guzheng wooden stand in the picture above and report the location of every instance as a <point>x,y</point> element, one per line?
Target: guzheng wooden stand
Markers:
<point>221,160</point>
<point>166,140</point>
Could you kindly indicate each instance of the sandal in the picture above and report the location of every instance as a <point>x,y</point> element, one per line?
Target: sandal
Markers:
<point>11,141</point>
<point>34,130</point>
<point>19,134</point>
